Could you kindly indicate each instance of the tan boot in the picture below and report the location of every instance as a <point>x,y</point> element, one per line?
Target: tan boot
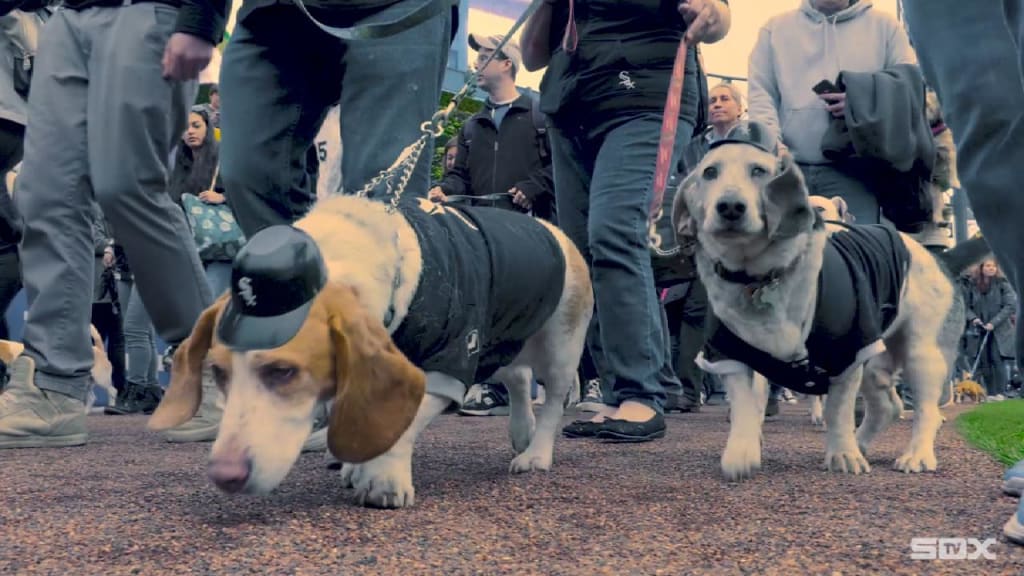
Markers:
<point>34,418</point>
<point>204,425</point>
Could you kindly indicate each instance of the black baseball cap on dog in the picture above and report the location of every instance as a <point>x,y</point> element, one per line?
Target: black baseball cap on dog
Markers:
<point>274,280</point>
<point>753,133</point>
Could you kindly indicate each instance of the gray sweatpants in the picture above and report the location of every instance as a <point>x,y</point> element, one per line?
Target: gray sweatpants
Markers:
<point>102,123</point>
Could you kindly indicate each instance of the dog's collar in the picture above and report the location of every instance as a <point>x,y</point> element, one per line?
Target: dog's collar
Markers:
<point>748,280</point>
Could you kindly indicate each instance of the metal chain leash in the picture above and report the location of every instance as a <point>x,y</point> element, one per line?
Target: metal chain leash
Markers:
<point>396,177</point>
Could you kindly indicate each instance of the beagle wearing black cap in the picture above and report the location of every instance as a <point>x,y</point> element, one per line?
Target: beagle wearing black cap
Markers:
<point>813,309</point>
<point>388,317</point>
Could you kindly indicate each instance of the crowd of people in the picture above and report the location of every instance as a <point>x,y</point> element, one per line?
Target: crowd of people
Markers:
<point>164,187</point>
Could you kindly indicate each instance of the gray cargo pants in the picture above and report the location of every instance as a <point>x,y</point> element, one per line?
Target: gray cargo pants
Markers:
<point>102,123</point>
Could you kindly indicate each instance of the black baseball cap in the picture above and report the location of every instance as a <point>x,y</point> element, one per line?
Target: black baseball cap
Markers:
<point>274,280</point>
<point>753,133</point>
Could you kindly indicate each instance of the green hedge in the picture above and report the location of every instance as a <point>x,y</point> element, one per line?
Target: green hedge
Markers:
<point>466,108</point>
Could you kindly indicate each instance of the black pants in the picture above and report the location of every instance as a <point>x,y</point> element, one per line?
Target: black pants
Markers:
<point>10,284</point>
<point>12,139</point>
<point>686,315</point>
<point>107,320</point>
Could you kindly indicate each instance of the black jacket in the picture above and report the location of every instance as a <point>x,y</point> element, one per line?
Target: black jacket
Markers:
<point>862,277</point>
<point>491,160</point>
<point>490,280</point>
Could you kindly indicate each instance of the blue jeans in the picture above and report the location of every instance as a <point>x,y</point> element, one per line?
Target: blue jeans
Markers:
<point>280,76</point>
<point>825,180</point>
<point>971,55</point>
<point>218,274</point>
<point>603,186</point>
<point>139,341</point>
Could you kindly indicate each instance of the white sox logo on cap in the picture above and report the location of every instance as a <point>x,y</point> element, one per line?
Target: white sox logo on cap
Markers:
<point>245,291</point>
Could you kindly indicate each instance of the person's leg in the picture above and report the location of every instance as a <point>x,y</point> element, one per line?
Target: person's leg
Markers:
<point>141,117</point>
<point>691,338</point>
<point>405,71</point>
<point>627,304</point>
<point>825,180</point>
<point>10,284</point>
<point>12,147</point>
<point>218,275</point>
<point>984,110</point>
<point>140,343</point>
<point>53,195</point>
<point>107,323</point>
<point>279,76</point>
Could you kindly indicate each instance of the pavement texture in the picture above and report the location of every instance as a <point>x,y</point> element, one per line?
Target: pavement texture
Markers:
<point>130,503</point>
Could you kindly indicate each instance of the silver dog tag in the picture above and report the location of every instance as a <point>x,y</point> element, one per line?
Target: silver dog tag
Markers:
<point>768,296</point>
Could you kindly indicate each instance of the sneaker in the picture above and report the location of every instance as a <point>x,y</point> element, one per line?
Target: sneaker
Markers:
<point>788,397</point>
<point>485,400</point>
<point>995,398</point>
<point>204,425</point>
<point>1014,527</point>
<point>138,399</point>
<point>34,418</point>
<point>1013,479</point>
<point>593,400</point>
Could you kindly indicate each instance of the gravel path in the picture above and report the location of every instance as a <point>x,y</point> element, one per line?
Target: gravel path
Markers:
<point>128,503</point>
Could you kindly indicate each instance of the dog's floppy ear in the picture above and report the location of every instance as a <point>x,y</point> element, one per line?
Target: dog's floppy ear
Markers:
<point>683,223</point>
<point>183,396</point>
<point>786,205</point>
<point>378,389</point>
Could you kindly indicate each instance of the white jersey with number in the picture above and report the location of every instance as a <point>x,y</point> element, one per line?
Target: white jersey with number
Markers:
<point>328,151</point>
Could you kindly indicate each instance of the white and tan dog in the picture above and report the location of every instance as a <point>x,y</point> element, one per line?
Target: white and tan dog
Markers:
<point>344,354</point>
<point>745,213</point>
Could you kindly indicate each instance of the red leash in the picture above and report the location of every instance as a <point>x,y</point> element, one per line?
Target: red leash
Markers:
<point>669,123</point>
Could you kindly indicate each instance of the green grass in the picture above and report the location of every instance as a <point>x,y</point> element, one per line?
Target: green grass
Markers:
<point>996,428</point>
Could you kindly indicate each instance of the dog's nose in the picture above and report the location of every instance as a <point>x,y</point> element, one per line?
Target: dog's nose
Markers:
<point>731,209</point>
<point>231,473</point>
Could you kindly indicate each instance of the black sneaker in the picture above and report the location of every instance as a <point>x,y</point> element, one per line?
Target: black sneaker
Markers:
<point>681,403</point>
<point>485,400</point>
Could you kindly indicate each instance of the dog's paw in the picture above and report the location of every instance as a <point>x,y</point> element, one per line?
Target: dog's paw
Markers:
<point>531,460</point>
<point>520,432</point>
<point>384,482</point>
<point>917,461</point>
<point>846,461</point>
<point>741,460</point>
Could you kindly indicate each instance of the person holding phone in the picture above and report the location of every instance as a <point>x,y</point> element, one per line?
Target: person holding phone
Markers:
<point>793,74</point>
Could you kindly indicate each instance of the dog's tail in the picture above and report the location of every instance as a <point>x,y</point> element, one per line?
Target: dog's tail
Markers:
<point>964,255</point>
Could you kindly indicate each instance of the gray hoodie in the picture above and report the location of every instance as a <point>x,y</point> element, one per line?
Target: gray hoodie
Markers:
<point>800,48</point>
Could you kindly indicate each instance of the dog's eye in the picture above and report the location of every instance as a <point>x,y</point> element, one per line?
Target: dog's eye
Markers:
<point>758,171</point>
<point>220,376</point>
<point>710,173</point>
<point>278,374</point>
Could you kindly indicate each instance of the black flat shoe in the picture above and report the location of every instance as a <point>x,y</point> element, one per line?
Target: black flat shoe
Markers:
<point>582,429</point>
<point>613,430</point>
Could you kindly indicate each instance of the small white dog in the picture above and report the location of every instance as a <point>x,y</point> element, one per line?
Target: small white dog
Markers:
<point>815,310</point>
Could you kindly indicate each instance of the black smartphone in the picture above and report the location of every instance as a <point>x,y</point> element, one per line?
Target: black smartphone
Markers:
<point>825,87</point>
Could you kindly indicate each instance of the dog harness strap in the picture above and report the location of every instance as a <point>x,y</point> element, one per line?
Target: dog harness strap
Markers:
<point>799,375</point>
<point>669,123</point>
